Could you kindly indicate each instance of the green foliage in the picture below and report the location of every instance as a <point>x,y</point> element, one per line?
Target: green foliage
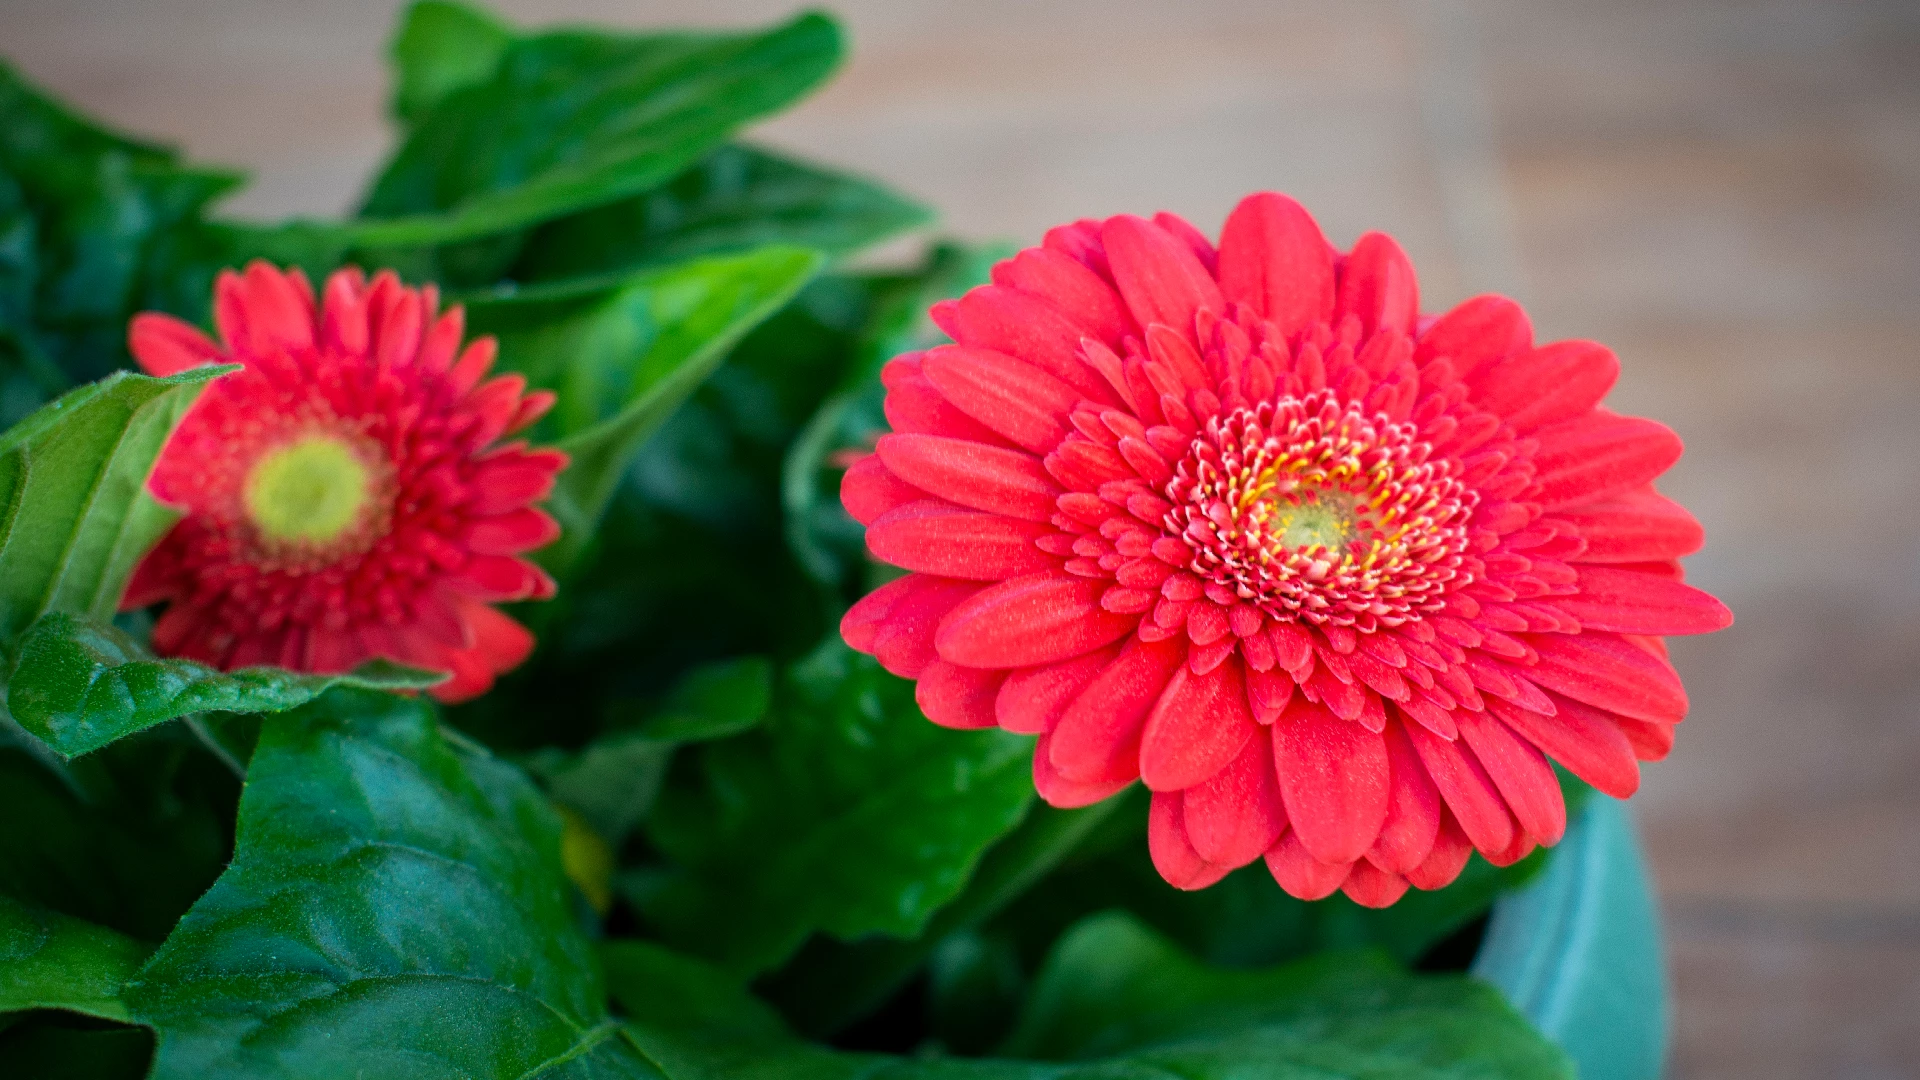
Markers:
<point>1117,1001</point>
<point>76,515</point>
<point>442,48</point>
<point>79,684</point>
<point>612,782</point>
<point>843,812</point>
<point>89,219</point>
<point>126,837</point>
<point>54,961</point>
<point>624,357</point>
<point>567,121</point>
<point>735,199</point>
<point>394,899</point>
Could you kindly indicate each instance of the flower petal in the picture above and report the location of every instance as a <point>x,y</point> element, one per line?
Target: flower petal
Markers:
<point>1037,619</point>
<point>1300,874</point>
<point>935,538</point>
<point>1584,739</point>
<point>1098,737</point>
<point>1377,284</point>
<point>1547,385</point>
<point>164,345</point>
<point>1032,700</point>
<point>1173,855</point>
<point>1161,278</point>
<point>990,478</point>
<point>957,697</point>
<point>1599,455</point>
<point>1521,773</point>
<point>1067,794</point>
<point>1630,602</point>
<point>1236,814</point>
<point>1474,334</point>
<point>1334,777</point>
<point>1274,259</point>
<point>1469,792</point>
<point>1413,807</point>
<point>1609,672</point>
<point>1014,398</point>
<point>1197,727</point>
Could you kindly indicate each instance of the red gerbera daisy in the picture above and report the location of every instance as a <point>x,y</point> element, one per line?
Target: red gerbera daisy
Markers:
<point>1332,578</point>
<point>345,493</point>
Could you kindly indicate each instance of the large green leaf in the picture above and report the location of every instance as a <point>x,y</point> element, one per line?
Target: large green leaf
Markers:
<point>74,512</point>
<point>395,908</point>
<point>442,48</point>
<point>1118,1002</point>
<point>735,199</point>
<point>613,781</point>
<point>624,357</point>
<point>568,120</point>
<point>79,684</point>
<point>54,961</point>
<point>1112,986</point>
<point>845,812</point>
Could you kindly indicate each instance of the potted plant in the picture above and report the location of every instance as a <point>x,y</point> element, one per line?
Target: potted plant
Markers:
<point>504,645</point>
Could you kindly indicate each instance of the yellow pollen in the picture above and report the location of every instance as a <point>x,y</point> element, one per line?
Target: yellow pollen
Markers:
<point>309,491</point>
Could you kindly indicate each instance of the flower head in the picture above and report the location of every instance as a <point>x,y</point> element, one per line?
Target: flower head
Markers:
<point>345,493</point>
<point>1336,580</point>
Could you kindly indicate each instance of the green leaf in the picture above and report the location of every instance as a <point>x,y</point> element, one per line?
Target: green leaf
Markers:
<point>127,837</point>
<point>1113,987</point>
<point>54,961</point>
<point>395,907</point>
<point>1577,950</point>
<point>735,199</point>
<point>443,48</point>
<point>613,781</point>
<point>79,684</point>
<point>845,812</point>
<point>568,121</point>
<point>624,357</point>
<point>832,983</point>
<point>74,512</point>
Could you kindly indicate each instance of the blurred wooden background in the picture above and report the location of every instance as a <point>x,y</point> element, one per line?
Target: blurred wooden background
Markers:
<point>1728,193</point>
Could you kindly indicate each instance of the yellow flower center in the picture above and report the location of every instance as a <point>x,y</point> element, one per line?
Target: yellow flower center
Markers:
<point>309,491</point>
<point>1320,519</point>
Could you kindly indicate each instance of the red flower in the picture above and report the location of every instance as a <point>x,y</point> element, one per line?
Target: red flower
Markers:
<point>344,493</point>
<point>1333,578</point>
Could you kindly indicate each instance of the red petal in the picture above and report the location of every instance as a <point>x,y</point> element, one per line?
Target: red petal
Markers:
<point>1634,526</point>
<point>1468,791</point>
<point>868,490</point>
<point>1609,673</point>
<point>895,623</point>
<point>1161,278</point>
<point>1630,602</point>
<point>1300,874</point>
<point>1584,739</point>
<point>1474,334</point>
<point>990,478</point>
<point>1652,741</point>
<point>1547,385</point>
<point>1449,856</point>
<point>1369,886</point>
<point>914,404</point>
<point>510,533</point>
<point>935,538</point>
<point>1069,285</point>
<point>1098,737</point>
<point>1030,329</point>
<point>513,476</point>
<point>1413,808</point>
<point>1066,794</point>
<point>498,641</point>
<point>1521,773</point>
<point>1377,284</point>
<point>164,345</point>
<point>957,697</point>
<point>1012,397</point>
<point>1334,777</point>
<point>1274,259</point>
<point>1032,620</point>
<point>1173,856</point>
<point>1236,814</point>
<point>1599,455</point>
<point>1031,700</point>
<point>1198,726</point>
<point>499,578</point>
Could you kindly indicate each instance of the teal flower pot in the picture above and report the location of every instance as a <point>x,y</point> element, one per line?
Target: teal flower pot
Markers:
<point>1577,950</point>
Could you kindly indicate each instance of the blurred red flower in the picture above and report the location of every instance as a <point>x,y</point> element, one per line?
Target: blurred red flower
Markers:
<point>345,493</point>
<point>1334,579</point>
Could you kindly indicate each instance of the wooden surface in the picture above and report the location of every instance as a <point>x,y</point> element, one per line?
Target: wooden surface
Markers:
<point>1727,193</point>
